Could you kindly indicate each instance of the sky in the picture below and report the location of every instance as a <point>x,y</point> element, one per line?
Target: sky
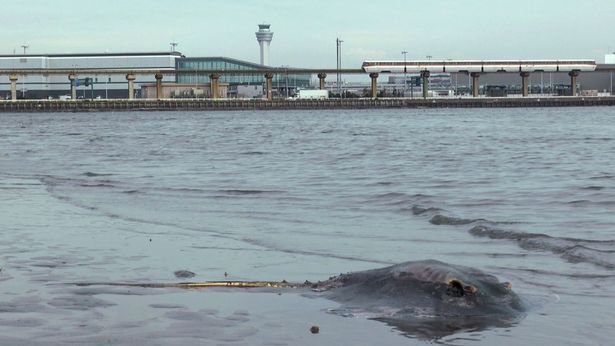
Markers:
<point>305,31</point>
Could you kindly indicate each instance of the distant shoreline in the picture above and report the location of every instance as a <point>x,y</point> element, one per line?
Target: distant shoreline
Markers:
<point>237,104</point>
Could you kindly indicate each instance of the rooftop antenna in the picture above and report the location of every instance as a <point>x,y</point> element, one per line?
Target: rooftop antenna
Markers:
<point>24,46</point>
<point>173,45</point>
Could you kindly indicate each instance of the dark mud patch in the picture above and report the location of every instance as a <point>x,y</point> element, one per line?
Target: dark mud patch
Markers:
<point>184,274</point>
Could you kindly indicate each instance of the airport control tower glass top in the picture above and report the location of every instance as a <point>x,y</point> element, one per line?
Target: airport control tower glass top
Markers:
<point>264,35</point>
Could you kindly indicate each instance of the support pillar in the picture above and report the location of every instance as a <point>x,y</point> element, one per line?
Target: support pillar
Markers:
<point>13,79</point>
<point>475,83</point>
<point>374,77</point>
<point>158,77</point>
<point>214,84</point>
<point>425,77</point>
<point>131,85</point>
<point>321,78</point>
<point>73,86</point>
<point>573,82</point>
<point>269,85</point>
<point>525,89</point>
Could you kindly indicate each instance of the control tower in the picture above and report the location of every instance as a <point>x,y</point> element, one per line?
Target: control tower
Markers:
<point>264,37</point>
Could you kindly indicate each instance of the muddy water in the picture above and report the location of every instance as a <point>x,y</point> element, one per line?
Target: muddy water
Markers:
<point>525,194</point>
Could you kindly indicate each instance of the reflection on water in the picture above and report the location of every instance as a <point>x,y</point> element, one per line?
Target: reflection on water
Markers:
<point>524,194</point>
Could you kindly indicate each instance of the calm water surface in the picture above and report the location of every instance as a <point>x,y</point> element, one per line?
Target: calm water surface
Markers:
<point>526,194</point>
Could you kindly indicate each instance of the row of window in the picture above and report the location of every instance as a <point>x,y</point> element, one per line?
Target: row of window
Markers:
<point>211,65</point>
<point>295,80</point>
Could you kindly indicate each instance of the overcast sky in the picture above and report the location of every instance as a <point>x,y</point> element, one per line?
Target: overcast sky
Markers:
<point>305,31</point>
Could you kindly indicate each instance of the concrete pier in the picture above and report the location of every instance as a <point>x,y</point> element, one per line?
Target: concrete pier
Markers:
<point>475,83</point>
<point>321,79</point>
<point>131,85</point>
<point>73,85</point>
<point>269,85</point>
<point>158,77</point>
<point>107,105</point>
<point>525,83</point>
<point>13,79</point>
<point>425,77</point>
<point>374,77</point>
<point>573,82</point>
<point>214,79</point>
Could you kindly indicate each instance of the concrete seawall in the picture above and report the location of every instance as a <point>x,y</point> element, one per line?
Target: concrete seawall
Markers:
<point>233,104</point>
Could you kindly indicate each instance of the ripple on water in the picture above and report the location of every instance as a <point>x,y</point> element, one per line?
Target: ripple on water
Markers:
<point>24,304</point>
<point>23,322</point>
<point>79,302</point>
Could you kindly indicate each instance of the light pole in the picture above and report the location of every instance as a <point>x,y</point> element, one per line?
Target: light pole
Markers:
<point>173,45</point>
<point>339,65</point>
<point>23,86</point>
<point>405,53</point>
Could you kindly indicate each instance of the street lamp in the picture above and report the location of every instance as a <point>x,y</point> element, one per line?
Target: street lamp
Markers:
<point>173,45</point>
<point>339,65</point>
<point>405,53</point>
<point>23,87</point>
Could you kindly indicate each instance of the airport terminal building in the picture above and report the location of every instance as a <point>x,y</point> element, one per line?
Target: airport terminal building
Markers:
<point>191,67</point>
<point>43,86</point>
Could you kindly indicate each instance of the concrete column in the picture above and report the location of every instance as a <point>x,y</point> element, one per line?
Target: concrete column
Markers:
<point>73,85</point>
<point>573,82</point>
<point>131,85</point>
<point>158,77</point>
<point>475,83</point>
<point>13,79</point>
<point>425,77</point>
<point>321,77</point>
<point>269,85</point>
<point>214,83</point>
<point>374,77</point>
<point>525,89</point>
